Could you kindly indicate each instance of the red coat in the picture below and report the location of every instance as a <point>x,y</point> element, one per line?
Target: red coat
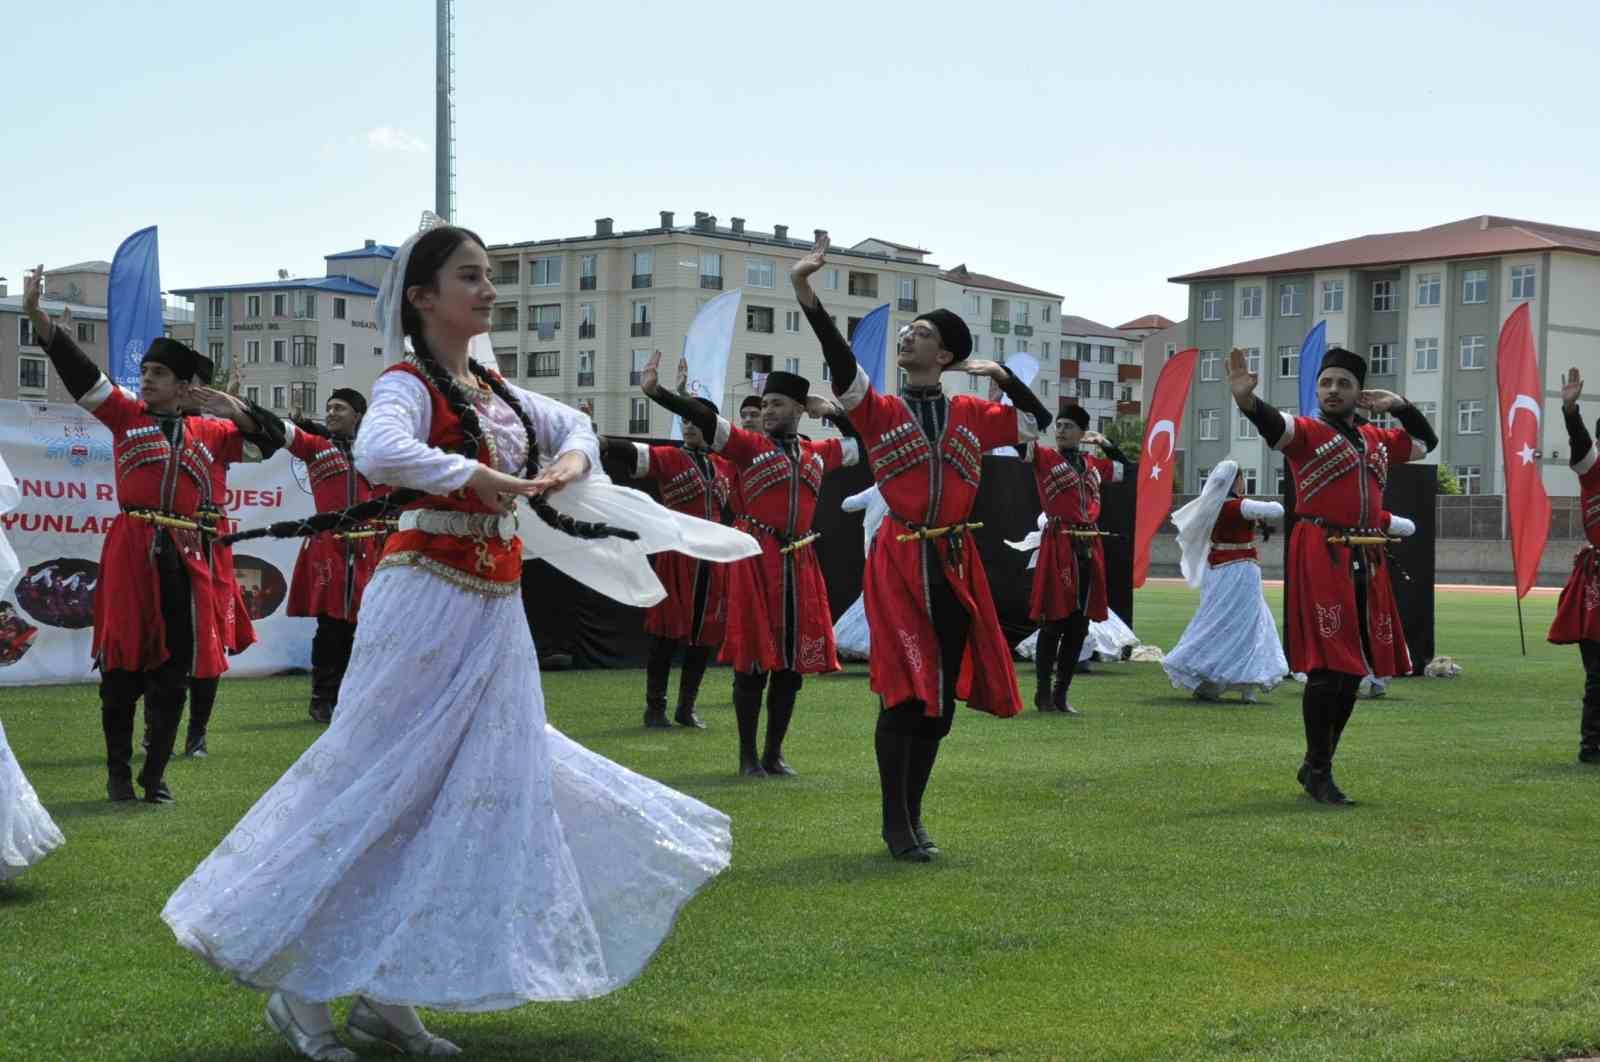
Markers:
<point>686,489</point>
<point>1233,536</point>
<point>153,474</point>
<point>931,486</point>
<point>331,572</point>
<point>233,617</point>
<point>779,493</point>
<point>1337,484</point>
<point>1070,500</point>
<point>1578,611</point>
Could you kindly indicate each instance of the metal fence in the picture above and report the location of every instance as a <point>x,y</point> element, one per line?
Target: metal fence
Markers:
<point>1475,516</point>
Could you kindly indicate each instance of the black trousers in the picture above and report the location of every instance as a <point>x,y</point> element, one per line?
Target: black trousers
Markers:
<point>330,656</point>
<point>1330,697</point>
<point>658,665</point>
<point>163,687</point>
<point>1061,641</point>
<point>951,624</point>
<point>1589,727</point>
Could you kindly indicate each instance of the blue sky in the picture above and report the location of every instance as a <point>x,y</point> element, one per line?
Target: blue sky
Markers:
<point>1091,149</point>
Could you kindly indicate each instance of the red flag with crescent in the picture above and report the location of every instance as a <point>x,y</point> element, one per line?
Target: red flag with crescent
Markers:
<point>1521,414</point>
<point>1158,459</point>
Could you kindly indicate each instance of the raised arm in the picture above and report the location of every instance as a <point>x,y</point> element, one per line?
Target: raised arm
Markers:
<point>78,372</point>
<point>691,411</point>
<point>1410,417</point>
<point>1021,396</point>
<point>1578,439</point>
<point>1242,382</point>
<point>835,348</point>
<point>1123,468</point>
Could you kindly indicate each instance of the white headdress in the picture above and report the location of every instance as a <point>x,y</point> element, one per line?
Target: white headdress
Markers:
<point>392,296</point>
<point>1195,520</point>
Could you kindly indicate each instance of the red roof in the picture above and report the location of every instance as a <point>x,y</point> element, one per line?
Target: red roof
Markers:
<point>964,276</point>
<point>1150,320</point>
<point>1479,237</point>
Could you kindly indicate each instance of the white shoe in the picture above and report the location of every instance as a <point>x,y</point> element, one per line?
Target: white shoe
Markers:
<point>323,1046</point>
<point>371,1029</point>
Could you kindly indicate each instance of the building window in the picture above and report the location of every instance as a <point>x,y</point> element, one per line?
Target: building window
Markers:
<point>791,321</point>
<point>1473,350</point>
<point>711,271</point>
<point>758,319</point>
<point>1043,381</point>
<point>1108,355</point>
<point>1288,362</point>
<point>215,351</point>
<point>545,319</point>
<point>1524,282</point>
<point>791,365</point>
<point>1280,479</point>
<point>1381,359</point>
<point>377,352</point>
<point>1471,478</point>
<point>85,331</point>
<point>1211,365</point>
<point>754,363</point>
<point>252,395</point>
<point>586,327</point>
<point>546,272</point>
<point>1250,301</point>
<point>586,274</point>
<point>1382,296</point>
<point>640,320</point>
<point>1211,424</point>
<point>644,268</point>
<point>1288,300</point>
<point>305,307</point>
<point>339,307</point>
<point>1022,346</point>
<point>1085,351</point>
<point>1108,390</point>
<point>1020,313</point>
<point>278,399</point>
<point>216,308</point>
<point>1172,351</point>
<point>759,272</point>
<point>1043,353</point>
<point>507,271</point>
<point>1428,289</point>
<point>338,354</point>
<point>252,351</point>
<point>864,285</point>
<point>1126,393</point>
<point>1249,478</point>
<point>280,353</point>
<point>280,307</point>
<point>1333,296</point>
<point>1243,428</point>
<point>1046,311</point>
<point>252,305</point>
<point>585,368</point>
<point>305,350</point>
<point>977,343</point>
<point>544,363</point>
<point>303,396</point>
<point>1427,354</point>
<point>1211,305</point>
<point>830,279</point>
<point>505,359</point>
<point>639,416</point>
<point>32,374</point>
<point>1000,347</point>
<point>974,307</point>
<point>1201,475</point>
<point>1475,286</point>
<point>908,294</point>
<point>1469,417</point>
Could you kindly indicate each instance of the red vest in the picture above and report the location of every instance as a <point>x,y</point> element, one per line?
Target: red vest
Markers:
<point>1232,529</point>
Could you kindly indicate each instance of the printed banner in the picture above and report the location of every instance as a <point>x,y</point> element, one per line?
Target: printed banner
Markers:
<point>60,457</point>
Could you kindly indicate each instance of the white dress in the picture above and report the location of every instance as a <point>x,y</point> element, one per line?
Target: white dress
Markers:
<point>1107,639</point>
<point>441,845</point>
<point>27,833</point>
<point>851,635</point>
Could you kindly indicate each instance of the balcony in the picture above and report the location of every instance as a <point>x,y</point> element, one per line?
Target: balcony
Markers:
<point>215,324</point>
<point>1000,327</point>
<point>639,328</point>
<point>587,283</point>
<point>1128,409</point>
<point>908,305</point>
<point>1129,372</point>
<point>714,283</point>
<point>586,330</point>
<point>1069,368</point>
<point>640,280</point>
<point>507,279</point>
<point>586,379</point>
<point>1022,330</point>
<point>505,324</point>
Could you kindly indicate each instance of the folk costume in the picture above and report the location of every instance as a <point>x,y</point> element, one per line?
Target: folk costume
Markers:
<point>695,612</point>
<point>1069,578</point>
<point>155,617</point>
<point>440,844</point>
<point>1343,623</point>
<point>936,637</point>
<point>333,568</point>
<point>1578,611</point>
<point>1232,642</point>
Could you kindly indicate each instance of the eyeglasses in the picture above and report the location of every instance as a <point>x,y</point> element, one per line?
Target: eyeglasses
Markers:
<point>920,331</point>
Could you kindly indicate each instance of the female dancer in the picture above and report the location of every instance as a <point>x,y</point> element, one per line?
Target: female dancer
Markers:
<point>440,845</point>
<point>1232,642</point>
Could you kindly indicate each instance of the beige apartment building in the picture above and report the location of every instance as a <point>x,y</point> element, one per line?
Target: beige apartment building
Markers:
<point>25,371</point>
<point>1006,318</point>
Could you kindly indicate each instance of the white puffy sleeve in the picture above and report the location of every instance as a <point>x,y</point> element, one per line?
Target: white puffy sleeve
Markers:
<point>559,428</point>
<point>391,446</point>
<point>1251,509</point>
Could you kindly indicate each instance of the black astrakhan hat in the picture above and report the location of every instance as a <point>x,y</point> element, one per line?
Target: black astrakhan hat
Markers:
<point>787,384</point>
<point>954,335</point>
<point>350,397</point>
<point>1349,361</point>
<point>174,355</point>
<point>750,400</point>
<point>1078,415</point>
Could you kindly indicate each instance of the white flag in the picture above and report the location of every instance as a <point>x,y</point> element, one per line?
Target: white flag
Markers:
<point>706,348</point>
<point>1024,367</point>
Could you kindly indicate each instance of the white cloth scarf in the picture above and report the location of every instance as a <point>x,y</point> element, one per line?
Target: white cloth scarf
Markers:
<point>1195,520</point>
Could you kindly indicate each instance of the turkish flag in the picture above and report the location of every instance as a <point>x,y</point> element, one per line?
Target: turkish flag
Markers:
<point>1158,458</point>
<point>1521,392</point>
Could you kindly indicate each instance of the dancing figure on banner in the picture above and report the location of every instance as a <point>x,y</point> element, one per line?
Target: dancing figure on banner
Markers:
<point>937,638</point>
<point>440,844</point>
<point>1232,642</point>
<point>1343,623</point>
<point>1578,611</point>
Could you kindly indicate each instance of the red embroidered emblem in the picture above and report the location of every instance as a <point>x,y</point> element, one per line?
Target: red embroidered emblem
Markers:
<point>1329,619</point>
<point>1383,629</point>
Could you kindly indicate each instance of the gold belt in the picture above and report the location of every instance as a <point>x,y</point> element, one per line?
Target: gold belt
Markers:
<point>1362,540</point>
<point>938,532</point>
<point>800,542</point>
<point>199,522</point>
<point>1233,545</point>
<point>371,530</point>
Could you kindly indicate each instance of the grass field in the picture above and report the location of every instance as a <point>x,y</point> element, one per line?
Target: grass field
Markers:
<point>1146,882</point>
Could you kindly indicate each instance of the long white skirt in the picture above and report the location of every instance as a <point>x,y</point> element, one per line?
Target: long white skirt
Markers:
<point>851,635</point>
<point>27,832</point>
<point>440,844</point>
<point>1106,639</point>
<point>1232,642</point>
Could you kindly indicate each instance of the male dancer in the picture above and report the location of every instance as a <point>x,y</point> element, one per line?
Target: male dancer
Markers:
<point>695,481</point>
<point>1578,613</point>
<point>779,624</point>
<point>934,633</point>
<point>334,567</point>
<point>1069,582</point>
<point>1343,622</point>
<point>750,413</point>
<point>154,622</point>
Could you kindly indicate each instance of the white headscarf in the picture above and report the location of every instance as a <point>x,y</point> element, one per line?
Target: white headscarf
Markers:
<point>392,296</point>
<point>1195,521</point>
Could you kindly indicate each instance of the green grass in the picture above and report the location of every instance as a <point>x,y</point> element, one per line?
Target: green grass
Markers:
<point>1144,882</point>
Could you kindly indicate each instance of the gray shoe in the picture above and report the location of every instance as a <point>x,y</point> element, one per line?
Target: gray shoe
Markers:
<point>370,1029</point>
<point>323,1047</point>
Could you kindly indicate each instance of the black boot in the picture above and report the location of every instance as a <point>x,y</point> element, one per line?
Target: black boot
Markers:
<point>119,693</point>
<point>781,696</point>
<point>1076,629</point>
<point>163,708</point>
<point>747,692</point>
<point>894,768</point>
<point>1044,662</point>
<point>924,751</point>
<point>694,669</point>
<point>202,699</point>
<point>321,707</point>
<point>657,671</point>
<point>1589,726</point>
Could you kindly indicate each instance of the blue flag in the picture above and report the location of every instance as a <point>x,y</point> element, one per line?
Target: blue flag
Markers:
<point>133,305</point>
<point>868,344</point>
<point>1311,352</point>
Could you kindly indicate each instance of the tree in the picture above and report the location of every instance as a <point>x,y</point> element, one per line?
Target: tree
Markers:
<point>1127,434</point>
<point>1448,484</point>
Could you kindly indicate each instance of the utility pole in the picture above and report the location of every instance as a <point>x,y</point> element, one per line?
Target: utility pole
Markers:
<point>444,178</point>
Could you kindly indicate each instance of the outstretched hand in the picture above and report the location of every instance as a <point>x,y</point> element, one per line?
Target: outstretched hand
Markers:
<point>683,375</point>
<point>811,261</point>
<point>819,406</point>
<point>32,289</point>
<point>1571,388</point>
<point>650,375</point>
<point>203,399</point>
<point>1241,381</point>
<point>982,367</point>
<point>567,468</point>
<point>1379,401</point>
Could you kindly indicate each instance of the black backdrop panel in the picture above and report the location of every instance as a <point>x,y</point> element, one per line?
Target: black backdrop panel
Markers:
<point>569,618</point>
<point>1410,492</point>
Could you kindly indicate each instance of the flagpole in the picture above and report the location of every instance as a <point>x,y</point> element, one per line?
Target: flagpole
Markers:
<point>1520,633</point>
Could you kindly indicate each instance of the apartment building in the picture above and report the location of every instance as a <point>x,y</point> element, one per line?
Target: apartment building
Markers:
<point>1102,370</point>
